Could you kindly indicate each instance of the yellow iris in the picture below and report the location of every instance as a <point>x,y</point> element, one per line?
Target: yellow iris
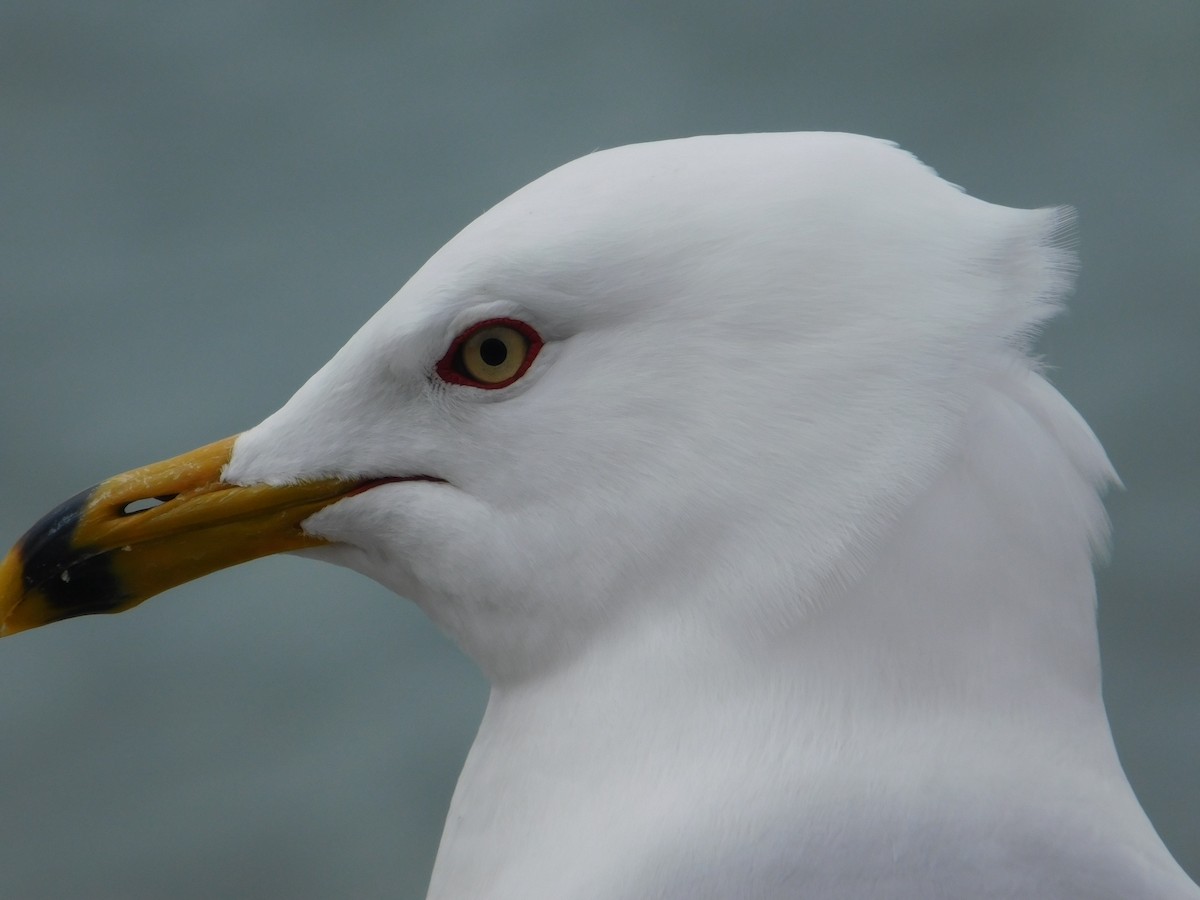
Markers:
<point>494,355</point>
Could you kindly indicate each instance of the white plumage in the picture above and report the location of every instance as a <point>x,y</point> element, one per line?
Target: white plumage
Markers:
<point>778,556</point>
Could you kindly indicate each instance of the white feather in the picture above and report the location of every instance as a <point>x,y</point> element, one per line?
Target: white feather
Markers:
<point>779,556</point>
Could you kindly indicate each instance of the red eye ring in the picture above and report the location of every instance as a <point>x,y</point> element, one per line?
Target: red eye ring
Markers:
<point>452,369</point>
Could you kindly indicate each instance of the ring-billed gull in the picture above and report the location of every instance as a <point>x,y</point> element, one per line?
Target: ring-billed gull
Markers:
<point>726,460</point>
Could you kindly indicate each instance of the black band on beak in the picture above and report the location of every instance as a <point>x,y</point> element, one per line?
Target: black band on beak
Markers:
<point>71,580</point>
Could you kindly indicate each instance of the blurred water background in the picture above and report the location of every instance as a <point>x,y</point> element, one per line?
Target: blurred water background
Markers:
<point>200,202</point>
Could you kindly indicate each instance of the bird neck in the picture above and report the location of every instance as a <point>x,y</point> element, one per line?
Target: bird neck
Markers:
<point>973,627</point>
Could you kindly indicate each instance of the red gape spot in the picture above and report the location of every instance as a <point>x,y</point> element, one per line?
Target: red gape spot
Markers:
<point>391,479</point>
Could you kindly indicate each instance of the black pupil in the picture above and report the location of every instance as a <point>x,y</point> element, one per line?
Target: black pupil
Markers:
<point>493,351</point>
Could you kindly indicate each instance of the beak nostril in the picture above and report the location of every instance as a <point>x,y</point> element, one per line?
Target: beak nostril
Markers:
<point>133,507</point>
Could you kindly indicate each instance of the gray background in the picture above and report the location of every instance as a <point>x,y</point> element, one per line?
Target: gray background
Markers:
<point>201,202</point>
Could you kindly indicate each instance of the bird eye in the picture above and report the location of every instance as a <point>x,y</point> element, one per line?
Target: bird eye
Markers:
<point>491,354</point>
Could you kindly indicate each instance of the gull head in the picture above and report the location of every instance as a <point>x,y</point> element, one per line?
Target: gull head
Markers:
<point>693,382</point>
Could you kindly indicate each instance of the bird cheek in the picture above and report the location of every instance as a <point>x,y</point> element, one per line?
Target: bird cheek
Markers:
<point>430,531</point>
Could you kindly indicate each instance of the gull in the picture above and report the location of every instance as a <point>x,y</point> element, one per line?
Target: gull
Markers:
<point>727,461</point>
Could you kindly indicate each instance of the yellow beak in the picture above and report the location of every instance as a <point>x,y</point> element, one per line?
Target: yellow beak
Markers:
<point>135,535</point>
